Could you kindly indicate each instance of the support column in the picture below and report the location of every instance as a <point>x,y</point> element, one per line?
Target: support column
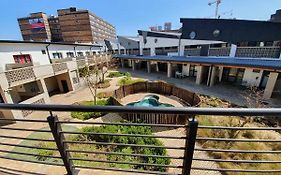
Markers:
<point>233,50</point>
<point>213,76</point>
<point>220,73</point>
<point>152,51</point>
<point>181,50</point>
<point>270,85</point>
<point>157,67</point>
<point>42,87</point>
<point>133,65</point>
<point>122,63</point>
<point>148,67</point>
<point>199,75</point>
<point>185,69</point>
<point>169,70</point>
<point>125,52</point>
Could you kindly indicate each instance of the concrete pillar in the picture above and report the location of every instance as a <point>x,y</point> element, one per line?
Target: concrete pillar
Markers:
<point>152,51</point>
<point>220,73</point>
<point>169,70</point>
<point>270,85</point>
<point>185,69</point>
<point>181,49</point>
<point>125,52</point>
<point>130,63</point>
<point>157,67</point>
<point>233,50</point>
<point>199,75</point>
<point>44,88</point>
<point>122,63</point>
<point>133,64</point>
<point>148,67</point>
<point>213,77</point>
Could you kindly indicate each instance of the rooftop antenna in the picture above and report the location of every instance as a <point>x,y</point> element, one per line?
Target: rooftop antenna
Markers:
<point>217,2</point>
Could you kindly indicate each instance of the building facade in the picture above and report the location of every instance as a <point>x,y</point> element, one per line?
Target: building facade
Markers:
<point>31,72</point>
<point>71,25</point>
<point>35,27</point>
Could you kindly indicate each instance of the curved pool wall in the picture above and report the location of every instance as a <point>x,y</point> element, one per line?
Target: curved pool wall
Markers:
<point>150,101</point>
<point>186,97</point>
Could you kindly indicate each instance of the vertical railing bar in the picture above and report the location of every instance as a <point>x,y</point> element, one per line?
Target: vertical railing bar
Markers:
<point>59,139</point>
<point>191,132</point>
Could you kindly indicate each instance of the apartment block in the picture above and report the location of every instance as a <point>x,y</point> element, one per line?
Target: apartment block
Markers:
<point>83,26</point>
<point>55,29</point>
<point>71,26</point>
<point>35,27</point>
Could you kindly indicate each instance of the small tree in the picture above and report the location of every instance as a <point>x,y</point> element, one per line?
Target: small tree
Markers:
<point>91,80</point>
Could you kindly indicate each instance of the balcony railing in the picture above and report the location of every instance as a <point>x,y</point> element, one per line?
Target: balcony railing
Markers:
<point>258,52</point>
<point>223,51</point>
<point>183,143</point>
<point>81,63</point>
<point>57,67</point>
<point>21,74</point>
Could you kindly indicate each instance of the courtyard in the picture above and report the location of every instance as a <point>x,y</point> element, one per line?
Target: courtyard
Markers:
<point>234,96</point>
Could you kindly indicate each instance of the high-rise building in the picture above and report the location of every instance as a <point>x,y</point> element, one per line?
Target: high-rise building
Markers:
<point>276,17</point>
<point>55,28</point>
<point>167,26</point>
<point>71,25</point>
<point>35,27</point>
<point>84,26</point>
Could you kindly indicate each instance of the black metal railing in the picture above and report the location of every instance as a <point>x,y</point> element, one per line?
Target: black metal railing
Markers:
<point>181,143</point>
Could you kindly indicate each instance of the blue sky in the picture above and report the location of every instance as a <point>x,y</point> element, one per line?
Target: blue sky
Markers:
<point>130,15</point>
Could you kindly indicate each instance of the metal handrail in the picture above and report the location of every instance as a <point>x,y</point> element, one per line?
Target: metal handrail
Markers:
<point>254,112</point>
<point>69,154</point>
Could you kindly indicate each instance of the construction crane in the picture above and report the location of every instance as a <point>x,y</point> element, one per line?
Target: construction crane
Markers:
<point>217,2</point>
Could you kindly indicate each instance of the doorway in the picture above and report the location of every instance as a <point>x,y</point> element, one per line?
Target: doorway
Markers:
<point>64,86</point>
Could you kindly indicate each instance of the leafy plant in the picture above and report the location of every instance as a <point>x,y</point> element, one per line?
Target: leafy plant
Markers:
<point>128,81</point>
<point>88,115</point>
<point>143,130</point>
<point>118,74</point>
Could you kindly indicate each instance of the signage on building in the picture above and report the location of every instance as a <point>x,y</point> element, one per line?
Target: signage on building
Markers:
<point>36,24</point>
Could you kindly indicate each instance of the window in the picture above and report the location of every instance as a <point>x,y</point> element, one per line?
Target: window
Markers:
<point>22,59</point>
<point>43,52</point>
<point>80,54</point>
<point>69,54</point>
<point>256,71</point>
<point>57,55</point>
<point>88,53</point>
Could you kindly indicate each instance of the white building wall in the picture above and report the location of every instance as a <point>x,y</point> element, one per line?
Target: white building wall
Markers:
<point>7,50</point>
<point>252,78</point>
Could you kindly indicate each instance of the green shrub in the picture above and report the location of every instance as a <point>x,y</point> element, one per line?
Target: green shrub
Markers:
<point>88,115</point>
<point>128,81</point>
<point>103,85</point>
<point>118,74</point>
<point>143,130</point>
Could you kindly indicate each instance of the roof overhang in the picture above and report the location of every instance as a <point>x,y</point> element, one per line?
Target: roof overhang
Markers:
<point>230,30</point>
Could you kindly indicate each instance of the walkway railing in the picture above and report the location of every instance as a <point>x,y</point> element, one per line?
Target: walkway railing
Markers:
<point>178,140</point>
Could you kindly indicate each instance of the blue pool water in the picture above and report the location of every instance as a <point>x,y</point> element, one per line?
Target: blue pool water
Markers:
<point>149,101</point>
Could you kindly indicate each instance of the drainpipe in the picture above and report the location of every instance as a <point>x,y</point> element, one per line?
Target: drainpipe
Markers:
<point>48,53</point>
